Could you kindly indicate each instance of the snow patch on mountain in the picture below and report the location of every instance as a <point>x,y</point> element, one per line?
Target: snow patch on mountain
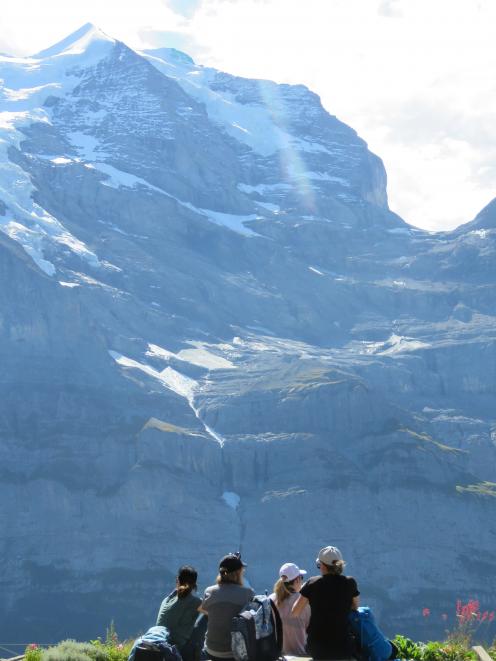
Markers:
<point>24,85</point>
<point>25,221</point>
<point>264,189</point>
<point>202,357</point>
<point>249,122</point>
<point>231,499</point>
<point>170,378</point>
<point>234,222</point>
<point>199,355</point>
<point>87,39</point>
<point>173,380</point>
<point>395,344</point>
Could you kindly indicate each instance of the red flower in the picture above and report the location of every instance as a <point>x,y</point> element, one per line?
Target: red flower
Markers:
<point>469,611</point>
<point>426,612</point>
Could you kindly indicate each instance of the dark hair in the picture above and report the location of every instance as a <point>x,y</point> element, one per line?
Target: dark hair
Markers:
<point>186,580</point>
<point>225,576</point>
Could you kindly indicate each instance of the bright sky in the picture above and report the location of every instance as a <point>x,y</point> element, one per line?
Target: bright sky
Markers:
<point>415,78</point>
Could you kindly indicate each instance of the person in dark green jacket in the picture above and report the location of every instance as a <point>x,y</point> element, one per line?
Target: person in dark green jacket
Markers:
<point>179,611</point>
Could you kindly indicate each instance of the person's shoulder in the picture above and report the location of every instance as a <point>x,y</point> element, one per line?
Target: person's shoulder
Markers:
<point>169,598</point>
<point>350,579</point>
<point>194,599</point>
<point>352,585</point>
<point>211,590</point>
<point>243,590</point>
<point>309,584</point>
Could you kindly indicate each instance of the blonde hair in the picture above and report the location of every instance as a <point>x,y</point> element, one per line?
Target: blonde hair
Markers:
<point>336,568</point>
<point>283,590</point>
<point>225,576</point>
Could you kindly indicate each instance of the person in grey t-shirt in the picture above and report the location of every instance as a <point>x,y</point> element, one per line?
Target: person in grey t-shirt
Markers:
<point>221,603</point>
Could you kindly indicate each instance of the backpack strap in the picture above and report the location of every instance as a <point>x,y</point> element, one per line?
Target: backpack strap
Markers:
<point>278,626</point>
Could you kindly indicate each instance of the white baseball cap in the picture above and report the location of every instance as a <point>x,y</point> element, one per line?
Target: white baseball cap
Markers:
<point>328,555</point>
<point>289,571</point>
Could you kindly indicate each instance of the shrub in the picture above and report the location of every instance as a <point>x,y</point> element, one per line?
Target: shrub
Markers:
<point>433,650</point>
<point>71,650</point>
<point>33,652</point>
<point>408,649</point>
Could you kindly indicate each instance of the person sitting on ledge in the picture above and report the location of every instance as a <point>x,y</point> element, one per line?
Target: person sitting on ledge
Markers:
<point>221,603</point>
<point>331,597</point>
<point>179,612</point>
<point>286,592</point>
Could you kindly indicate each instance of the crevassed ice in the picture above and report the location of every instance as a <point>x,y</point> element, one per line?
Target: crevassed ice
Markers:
<point>26,84</point>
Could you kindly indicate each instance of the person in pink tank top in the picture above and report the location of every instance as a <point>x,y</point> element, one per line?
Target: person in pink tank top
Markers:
<point>286,592</point>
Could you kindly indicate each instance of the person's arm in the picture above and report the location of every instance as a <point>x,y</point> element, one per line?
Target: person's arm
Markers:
<point>203,608</point>
<point>161,614</point>
<point>355,601</point>
<point>299,606</point>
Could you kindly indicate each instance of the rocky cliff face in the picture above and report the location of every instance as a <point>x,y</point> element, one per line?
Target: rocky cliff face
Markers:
<point>215,335</point>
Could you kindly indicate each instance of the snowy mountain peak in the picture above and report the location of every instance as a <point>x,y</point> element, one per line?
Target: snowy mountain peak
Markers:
<point>87,36</point>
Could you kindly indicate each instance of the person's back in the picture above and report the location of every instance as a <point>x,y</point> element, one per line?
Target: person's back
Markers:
<point>221,603</point>
<point>331,597</point>
<point>179,616</point>
<point>286,592</point>
<point>179,610</point>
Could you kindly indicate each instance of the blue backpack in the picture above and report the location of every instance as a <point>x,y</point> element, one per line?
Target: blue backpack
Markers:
<point>154,645</point>
<point>371,642</point>
<point>256,633</point>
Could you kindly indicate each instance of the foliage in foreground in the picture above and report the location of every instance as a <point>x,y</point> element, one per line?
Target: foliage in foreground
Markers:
<point>457,646</point>
<point>96,650</point>
<point>70,650</point>
<point>450,650</point>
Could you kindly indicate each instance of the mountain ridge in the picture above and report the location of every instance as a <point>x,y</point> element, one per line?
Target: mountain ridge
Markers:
<point>192,308</point>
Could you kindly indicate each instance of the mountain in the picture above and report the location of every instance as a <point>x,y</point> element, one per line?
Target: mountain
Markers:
<point>215,335</point>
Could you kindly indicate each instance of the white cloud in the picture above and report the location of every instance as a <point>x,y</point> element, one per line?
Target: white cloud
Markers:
<point>419,89</point>
<point>29,25</point>
<point>390,8</point>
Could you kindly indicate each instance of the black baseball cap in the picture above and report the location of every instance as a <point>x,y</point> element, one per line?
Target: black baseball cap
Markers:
<point>231,562</point>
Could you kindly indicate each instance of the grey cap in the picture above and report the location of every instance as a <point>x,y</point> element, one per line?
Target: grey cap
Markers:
<point>329,554</point>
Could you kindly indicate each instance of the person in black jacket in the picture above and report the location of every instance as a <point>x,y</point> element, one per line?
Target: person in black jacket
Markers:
<point>331,596</point>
